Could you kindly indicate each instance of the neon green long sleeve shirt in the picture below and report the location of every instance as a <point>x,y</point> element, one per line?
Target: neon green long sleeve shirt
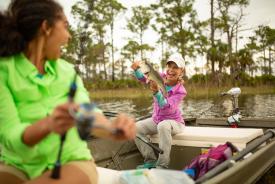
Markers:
<point>25,98</point>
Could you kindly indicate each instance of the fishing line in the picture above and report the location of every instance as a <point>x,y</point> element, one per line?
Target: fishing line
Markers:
<point>124,145</point>
<point>216,101</point>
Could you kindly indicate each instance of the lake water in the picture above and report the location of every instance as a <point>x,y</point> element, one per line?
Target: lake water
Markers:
<point>250,106</point>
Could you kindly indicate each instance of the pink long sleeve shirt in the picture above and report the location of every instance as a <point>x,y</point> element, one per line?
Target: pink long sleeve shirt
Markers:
<point>171,109</point>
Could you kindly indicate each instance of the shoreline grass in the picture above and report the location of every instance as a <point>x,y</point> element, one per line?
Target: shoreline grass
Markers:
<point>120,93</point>
<point>193,92</point>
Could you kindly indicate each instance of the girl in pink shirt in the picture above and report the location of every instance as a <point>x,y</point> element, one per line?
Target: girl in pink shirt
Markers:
<point>167,118</point>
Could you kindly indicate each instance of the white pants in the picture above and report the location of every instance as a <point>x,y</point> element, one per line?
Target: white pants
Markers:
<point>165,129</point>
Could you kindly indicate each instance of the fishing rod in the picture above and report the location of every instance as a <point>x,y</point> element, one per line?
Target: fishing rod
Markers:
<point>85,121</point>
<point>114,114</point>
<point>110,114</point>
<point>156,149</point>
<point>129,149</point>
<point>57,166</point>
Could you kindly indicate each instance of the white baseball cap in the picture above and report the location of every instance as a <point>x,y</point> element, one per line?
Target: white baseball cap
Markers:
<point>177,58</point>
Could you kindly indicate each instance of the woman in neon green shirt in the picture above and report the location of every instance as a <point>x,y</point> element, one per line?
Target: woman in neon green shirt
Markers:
<point>34,83</point>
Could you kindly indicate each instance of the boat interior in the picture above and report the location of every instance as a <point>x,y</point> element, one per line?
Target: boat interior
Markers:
<point>197,137</point>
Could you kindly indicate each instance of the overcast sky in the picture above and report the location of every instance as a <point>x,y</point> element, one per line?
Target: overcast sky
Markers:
<point>258,12</point>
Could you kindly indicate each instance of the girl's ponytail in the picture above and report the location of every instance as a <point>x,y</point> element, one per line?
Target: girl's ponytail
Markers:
<point>11,41</point>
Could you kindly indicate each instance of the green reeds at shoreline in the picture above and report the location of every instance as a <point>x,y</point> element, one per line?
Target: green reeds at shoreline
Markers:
<point>194,91</point>
<point>129,93</point>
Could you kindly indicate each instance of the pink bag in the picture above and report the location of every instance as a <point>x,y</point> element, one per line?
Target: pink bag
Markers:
<point>207,161</point>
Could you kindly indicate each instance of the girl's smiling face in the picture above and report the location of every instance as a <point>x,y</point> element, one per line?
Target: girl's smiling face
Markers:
<point>173,72</point>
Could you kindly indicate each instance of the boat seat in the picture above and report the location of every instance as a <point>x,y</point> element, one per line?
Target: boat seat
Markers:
<point>213,136</point>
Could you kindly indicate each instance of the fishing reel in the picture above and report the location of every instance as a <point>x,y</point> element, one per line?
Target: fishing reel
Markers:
<point>84,118</point>
<point>85,121</point>
<point>234,119</point>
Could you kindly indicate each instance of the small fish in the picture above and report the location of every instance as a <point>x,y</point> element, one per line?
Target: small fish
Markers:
<point>147,69</point>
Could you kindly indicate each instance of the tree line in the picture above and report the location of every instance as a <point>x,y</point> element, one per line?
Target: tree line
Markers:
<point>176,23</point>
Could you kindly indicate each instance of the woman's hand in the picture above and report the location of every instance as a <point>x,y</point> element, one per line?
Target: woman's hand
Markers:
<point>135,65</point>
<point>126,128</point>
<point>120,128</point>
<point>61,120</point>
<point>153,86</point>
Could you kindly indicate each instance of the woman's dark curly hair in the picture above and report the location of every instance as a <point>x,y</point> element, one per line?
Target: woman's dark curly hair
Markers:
<point>21,22</point>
